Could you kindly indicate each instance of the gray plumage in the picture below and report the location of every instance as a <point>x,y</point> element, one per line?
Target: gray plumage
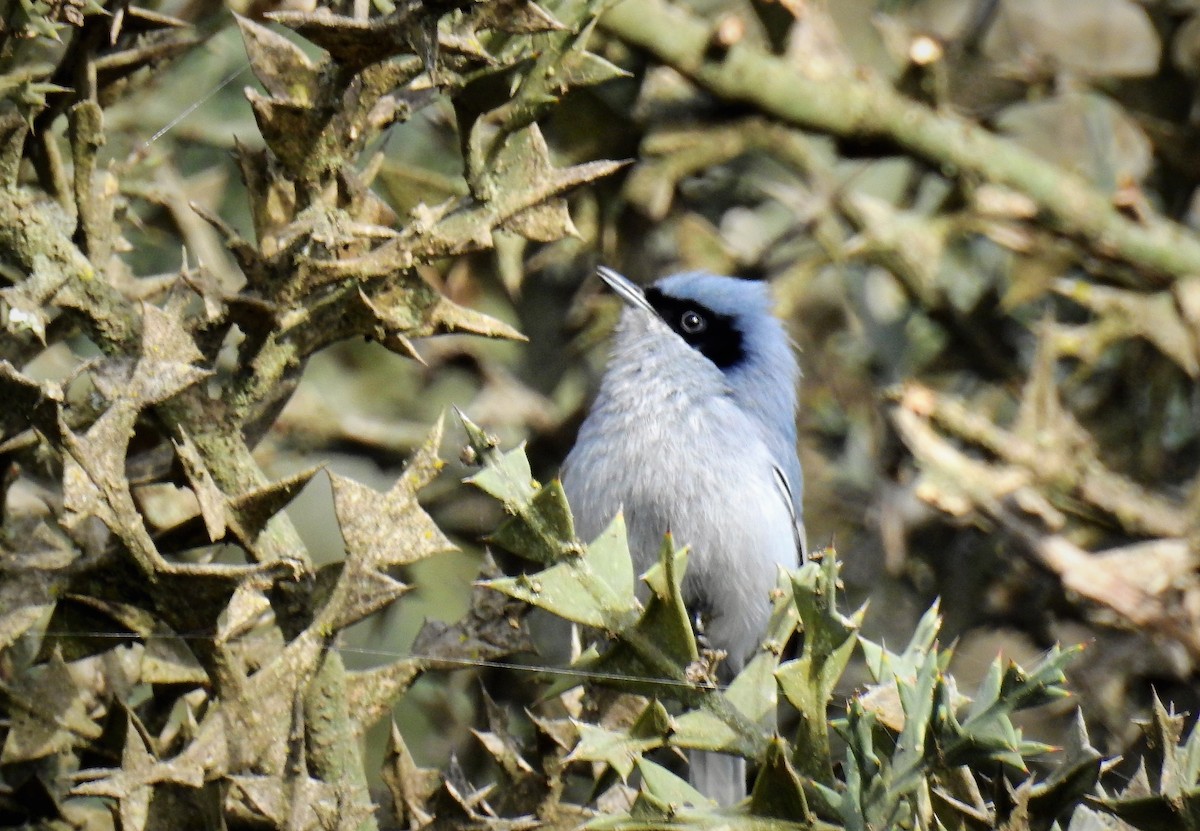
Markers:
<point>693,431</point>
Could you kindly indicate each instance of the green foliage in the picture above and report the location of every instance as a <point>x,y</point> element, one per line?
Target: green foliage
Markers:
<point>914,752</point>
<point>1165,791</point>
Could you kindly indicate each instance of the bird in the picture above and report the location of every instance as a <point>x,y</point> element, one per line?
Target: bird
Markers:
<point>693,432</point>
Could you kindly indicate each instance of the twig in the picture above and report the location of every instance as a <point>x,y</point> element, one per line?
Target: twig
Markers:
<point>959,484</point>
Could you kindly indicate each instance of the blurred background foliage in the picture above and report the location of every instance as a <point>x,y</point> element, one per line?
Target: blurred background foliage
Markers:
<point>1000,405</point>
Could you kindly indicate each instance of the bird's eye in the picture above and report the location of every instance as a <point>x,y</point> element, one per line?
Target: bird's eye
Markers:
<point>692,323</point>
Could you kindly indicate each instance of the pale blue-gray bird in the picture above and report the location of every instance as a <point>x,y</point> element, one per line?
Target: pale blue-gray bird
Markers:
<point>694,432</point>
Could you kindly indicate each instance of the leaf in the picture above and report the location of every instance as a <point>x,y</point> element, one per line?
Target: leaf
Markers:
<point>537,532</point>
<point>1084,133</point>
<point>778,792</point>
<point>27,599</point>
<point>523,160</point>
<point>162,369</point>
<point>1074,776</point>
<point>580,68</point>
<point>296,801</point>
<point>459,805</point>
<point>252,729</point>
<point>26,402</point>
<point>753,692</point>
<point>94,482</point>
<point>987,734</point>
<point>1158,796</point>
<point>664,627</point>
<point>917,697</point>
<point>316,119</point>
<point>383,530</point>
<point>557,63</point>
<point>514,17</point>
<point>503,746</point>
<point>359,43</point>
<point>545,222</point>
<point>410,786</point>
<point>666,618</point>
<point>415,310</point>
<point>371,693</point>
<point>506,476</point>
<point>247,608</point>
<point>622,750</point>
<point>1100,38</point>
<point>130,784</point>
<point>884,665</point>
<point>359,597</point>
<point>248,514</point>
<point>166,657</point>
<point>666,788</point>
<point>594,588</point>
<point>541,528</point>
<point>280,65</point>
<point>208,495</point>
<point>809,680</point>
<point>49,713</point>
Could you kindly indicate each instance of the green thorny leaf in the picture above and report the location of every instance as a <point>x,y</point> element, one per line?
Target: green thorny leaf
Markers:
<point>882,790</point>
<point>910,728</point>
<point>622,750</point>
<point>809,681</point>
<point>668,801</point>
<point>594,588</point>
<point>665,623</point>
<point>540,528</point>
<point>918,702</point>
<point>1075,776</point>
<point>1165,791</point>
<point>987,733</point>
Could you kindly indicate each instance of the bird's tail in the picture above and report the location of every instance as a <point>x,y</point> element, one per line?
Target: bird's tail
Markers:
<point>718,776</point>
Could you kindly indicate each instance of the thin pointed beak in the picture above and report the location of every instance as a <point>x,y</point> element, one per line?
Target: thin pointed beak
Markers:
<point>626,290</point>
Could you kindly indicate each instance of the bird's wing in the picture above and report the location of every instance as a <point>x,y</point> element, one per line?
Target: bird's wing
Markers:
<point>797,523</point>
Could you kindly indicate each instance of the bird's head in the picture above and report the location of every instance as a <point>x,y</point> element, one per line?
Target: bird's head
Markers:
<point>726,320</point>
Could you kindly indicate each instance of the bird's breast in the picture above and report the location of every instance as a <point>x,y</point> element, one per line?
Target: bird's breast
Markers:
<point>679,461</point>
